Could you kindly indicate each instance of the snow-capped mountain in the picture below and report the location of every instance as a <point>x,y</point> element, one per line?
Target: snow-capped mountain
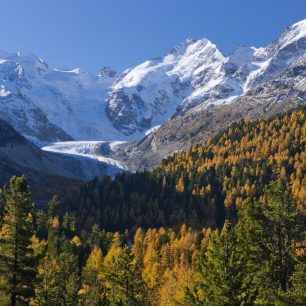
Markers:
<point>150,93</point>
<point>251,83</point>
<point>196,75</point>
<point>53,104</point>
<point>48,105</point>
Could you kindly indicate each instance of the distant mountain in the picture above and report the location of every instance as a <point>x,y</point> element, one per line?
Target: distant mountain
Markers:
<point>195,75</point>
<point>47,104</point>
<point>168,102</point>
<point>273,82</point>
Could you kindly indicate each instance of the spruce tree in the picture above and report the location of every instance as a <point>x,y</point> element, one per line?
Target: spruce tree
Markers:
<point>269,232</point>
<point>219,273</point>
<point>16,261</point>
<point>125,282</point>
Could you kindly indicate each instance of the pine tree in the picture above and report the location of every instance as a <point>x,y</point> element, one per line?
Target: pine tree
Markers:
<point>269,232</point>
<point>219,274</point>
<point>16,260</point>
<point>125,282</point>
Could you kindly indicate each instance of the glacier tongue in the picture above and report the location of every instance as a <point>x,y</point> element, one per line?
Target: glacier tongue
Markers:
<point>88,149</point>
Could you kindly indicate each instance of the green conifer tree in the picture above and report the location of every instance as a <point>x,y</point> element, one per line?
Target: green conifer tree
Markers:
<point>126,285</point>
<point>297,294</point>
<point>17,267</point>
<point>54,207</point>
<point>219,273</point>
<point>269,232</point>
<point>58,274</point>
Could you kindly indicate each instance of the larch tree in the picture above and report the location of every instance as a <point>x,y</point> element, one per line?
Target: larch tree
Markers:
<point>93,290</point>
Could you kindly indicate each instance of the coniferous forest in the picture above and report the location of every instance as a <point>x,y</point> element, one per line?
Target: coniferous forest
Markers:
<point>220,223</point>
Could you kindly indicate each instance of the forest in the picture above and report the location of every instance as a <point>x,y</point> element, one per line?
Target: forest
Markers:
<point>220,223</point>
<point>202,185</point>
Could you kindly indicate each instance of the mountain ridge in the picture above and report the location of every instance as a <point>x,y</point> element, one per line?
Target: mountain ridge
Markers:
<point>193,80</point>
<point>194,74</point>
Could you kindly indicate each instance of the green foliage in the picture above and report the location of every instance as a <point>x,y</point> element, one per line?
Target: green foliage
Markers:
<point>17,264</point>
<point>125,282</point>
<point>54,207</point>
<point>220,272</point>
<point>58,276</point>
<point>297,294</point>
<point>270,233</point>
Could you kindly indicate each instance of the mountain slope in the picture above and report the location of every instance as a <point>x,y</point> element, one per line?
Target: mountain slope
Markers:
<point>183,131</point>
<point>21,157</point>
<point>205,183</point>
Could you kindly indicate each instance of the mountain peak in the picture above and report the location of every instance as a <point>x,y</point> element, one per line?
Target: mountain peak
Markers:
<point>300,24</point>
<point>189,41</point>
<point>293,34</point>
<point>181,47</point>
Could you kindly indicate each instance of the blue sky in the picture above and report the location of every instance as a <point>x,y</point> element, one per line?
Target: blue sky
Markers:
<point>121,33</point>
